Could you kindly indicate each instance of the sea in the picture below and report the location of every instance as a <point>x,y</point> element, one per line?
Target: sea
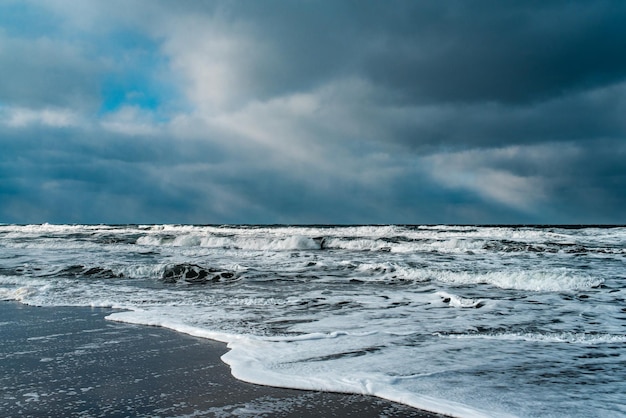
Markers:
<point>467,321</point>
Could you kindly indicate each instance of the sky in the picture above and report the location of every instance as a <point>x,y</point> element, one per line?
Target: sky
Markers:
<point>313,112</point>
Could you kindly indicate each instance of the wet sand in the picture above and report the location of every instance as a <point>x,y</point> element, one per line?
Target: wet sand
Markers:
<point>69,361</point>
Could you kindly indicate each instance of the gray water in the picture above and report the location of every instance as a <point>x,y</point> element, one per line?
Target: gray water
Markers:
<point>469,321</point>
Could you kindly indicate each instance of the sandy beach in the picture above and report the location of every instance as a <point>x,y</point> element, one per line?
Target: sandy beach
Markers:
<point>70,361</point>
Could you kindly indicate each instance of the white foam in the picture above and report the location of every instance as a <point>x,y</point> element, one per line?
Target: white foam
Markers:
<point>460,302</point>
<point>555,280</point>
<point>253,243</point>
<point>152,240</point>
<point>266,361</point>
<point>395,239</point>
<point>561,337</point>
<point>18,294</point>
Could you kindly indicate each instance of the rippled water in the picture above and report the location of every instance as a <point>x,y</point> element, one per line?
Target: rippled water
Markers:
<point>470,321</point>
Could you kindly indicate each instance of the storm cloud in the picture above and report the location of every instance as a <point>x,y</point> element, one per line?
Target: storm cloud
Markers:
<point>312,112</point>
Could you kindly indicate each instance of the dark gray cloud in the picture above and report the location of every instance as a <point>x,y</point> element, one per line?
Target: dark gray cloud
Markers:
<point>57,176</point>
<point>584,116</point>
<point>96,176</point>
<point>496,52</point>
<point>44,72</point>
<point>434,52</point>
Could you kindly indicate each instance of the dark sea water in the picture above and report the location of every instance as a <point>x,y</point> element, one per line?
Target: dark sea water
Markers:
<point>463,320</point>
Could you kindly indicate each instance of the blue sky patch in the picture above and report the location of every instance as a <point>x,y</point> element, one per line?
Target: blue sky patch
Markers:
<point>139,76</point>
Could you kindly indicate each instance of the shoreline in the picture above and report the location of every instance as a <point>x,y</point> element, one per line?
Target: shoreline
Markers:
<point>70,361</point>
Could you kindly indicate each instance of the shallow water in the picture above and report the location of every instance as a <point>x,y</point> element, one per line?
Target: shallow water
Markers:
<point>70,362</point>
<point>469,321</point>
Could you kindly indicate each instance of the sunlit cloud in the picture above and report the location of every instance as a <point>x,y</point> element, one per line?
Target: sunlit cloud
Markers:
<point>131,121</point>
<point>20,117</point>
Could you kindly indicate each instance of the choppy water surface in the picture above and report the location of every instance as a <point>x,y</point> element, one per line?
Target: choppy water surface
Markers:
<point>469,321</point>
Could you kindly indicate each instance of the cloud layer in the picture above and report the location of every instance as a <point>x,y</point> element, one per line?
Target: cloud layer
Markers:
<point>309,112</point>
